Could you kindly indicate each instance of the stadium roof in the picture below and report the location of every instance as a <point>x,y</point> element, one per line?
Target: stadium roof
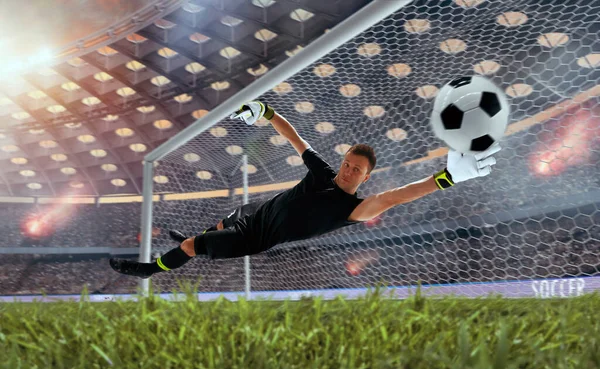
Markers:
<point>83,119</point>
<point>129,76</point>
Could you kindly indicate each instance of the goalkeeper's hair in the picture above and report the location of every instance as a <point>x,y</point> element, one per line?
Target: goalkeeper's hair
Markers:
<point>366,151</point>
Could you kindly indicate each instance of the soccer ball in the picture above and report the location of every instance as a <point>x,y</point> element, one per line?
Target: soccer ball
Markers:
<point>470,114</point>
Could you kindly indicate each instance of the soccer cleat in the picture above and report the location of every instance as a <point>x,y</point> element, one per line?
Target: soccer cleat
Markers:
<point>177,236</point>
<point>128,267</point>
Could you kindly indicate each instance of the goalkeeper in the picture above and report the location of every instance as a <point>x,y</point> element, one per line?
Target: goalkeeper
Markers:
<point>321,202</point>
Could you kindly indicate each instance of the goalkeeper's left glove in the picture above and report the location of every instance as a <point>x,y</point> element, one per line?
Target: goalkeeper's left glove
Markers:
<point>462,167</point>
<point>252,111</point>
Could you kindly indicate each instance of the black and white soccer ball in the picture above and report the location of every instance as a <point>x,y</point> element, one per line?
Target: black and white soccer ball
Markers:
<point>470,114</point>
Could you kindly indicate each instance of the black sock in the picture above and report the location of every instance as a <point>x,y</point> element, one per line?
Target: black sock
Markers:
<point>171,260</point>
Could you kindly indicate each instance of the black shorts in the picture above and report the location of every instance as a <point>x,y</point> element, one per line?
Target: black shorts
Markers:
<point>229,242</point>
<point>225,244</point>
<point>238,213</point>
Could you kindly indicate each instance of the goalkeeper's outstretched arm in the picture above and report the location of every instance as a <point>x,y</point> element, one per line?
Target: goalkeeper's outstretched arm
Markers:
<point>374,205</point>
<point>460,167</point>
<point>288,131</point>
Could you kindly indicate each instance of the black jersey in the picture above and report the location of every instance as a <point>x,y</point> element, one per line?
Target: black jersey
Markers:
<point>316,205</point>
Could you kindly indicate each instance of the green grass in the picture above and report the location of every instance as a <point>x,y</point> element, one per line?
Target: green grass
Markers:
<point>373,332</point>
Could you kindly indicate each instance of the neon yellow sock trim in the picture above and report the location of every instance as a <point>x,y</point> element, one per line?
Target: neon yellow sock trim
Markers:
<point>161,265</point>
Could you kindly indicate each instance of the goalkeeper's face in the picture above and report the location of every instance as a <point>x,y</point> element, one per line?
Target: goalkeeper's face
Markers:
<point>353,172</point>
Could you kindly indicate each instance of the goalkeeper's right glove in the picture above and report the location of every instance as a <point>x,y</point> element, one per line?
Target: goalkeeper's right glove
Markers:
<point>462,167</point>
<point>252,111</point>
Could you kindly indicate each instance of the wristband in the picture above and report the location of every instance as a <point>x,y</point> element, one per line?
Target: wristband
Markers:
<point>443,179</point>
<point>269,112</point>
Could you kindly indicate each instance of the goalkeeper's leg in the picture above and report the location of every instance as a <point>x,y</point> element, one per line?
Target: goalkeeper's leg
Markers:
<point>227,222</point>
<point>225,244</point>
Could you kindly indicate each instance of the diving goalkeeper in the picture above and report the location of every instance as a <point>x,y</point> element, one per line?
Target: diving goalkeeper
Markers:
<point>321,202</point>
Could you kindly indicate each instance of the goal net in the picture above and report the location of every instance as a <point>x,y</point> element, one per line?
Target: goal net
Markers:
<point>523,230</point>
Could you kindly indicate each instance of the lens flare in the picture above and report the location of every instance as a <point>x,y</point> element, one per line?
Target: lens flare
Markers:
<point>566,144</point>
<point>358,261</point>
<point>34,227</point>
<point>47,219</point>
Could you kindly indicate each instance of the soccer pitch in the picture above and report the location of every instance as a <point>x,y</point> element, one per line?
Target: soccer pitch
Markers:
<point>370,332</point>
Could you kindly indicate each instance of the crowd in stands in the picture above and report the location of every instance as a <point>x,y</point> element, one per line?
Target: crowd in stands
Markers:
<point>527,249</point>
<point>53,274</point>
<point>118,225</point>
<point>495,228</point>
<point>12,217</point>
<point>70,225</point>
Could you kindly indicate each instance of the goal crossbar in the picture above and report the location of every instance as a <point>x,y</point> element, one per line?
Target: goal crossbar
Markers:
<point>343,32</point>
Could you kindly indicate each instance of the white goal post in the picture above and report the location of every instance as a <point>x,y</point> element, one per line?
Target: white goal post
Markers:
<point>531,228</point>
<point>349,28</point>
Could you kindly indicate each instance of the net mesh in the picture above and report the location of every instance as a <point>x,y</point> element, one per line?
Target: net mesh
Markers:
<point>536,216</point>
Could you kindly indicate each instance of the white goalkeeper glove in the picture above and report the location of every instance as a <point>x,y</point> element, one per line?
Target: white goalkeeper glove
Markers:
<point>462,167</point>
<point>252,111</point>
